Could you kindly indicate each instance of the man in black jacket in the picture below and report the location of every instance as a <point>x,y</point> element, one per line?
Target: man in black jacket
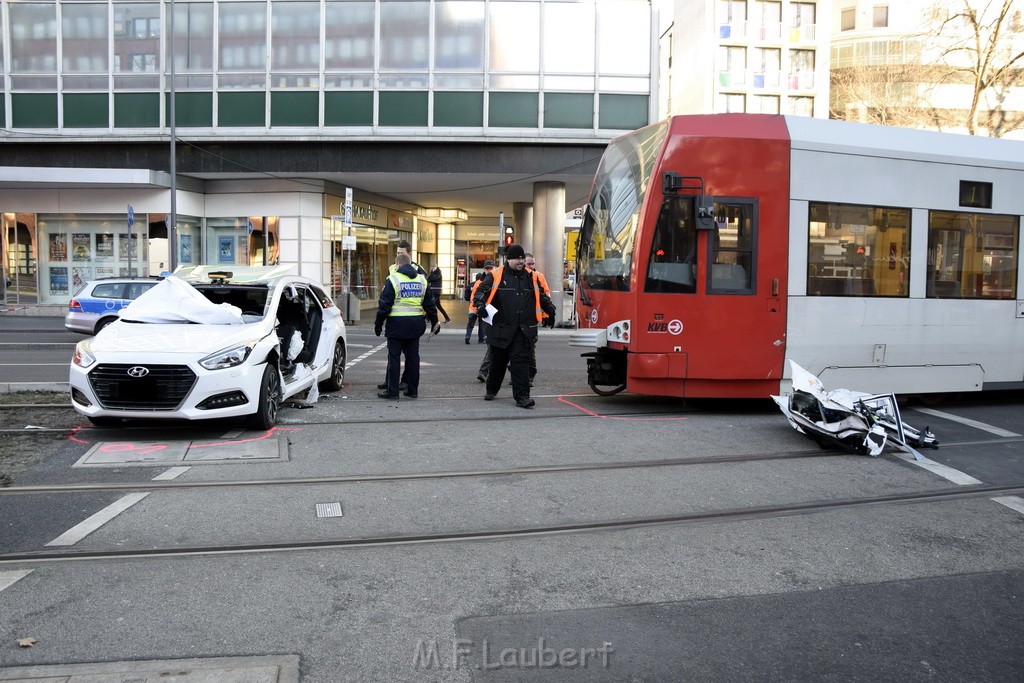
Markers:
<point>520,305</point>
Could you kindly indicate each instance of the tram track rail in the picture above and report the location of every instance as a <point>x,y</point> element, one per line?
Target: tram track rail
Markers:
<point>703,517</point>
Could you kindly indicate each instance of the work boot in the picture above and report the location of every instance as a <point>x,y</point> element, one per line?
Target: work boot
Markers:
<point>488,397</point>
<point>384,394</point>
<point>467,340</point>
<point>525,402</point>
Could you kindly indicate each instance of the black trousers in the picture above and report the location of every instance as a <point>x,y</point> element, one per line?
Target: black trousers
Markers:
<point>517,359</point>
<point>411,375</point>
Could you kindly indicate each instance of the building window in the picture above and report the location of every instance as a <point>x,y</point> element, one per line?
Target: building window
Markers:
<point>848,20</point>
<point>880,16</point>
<point>732,67</point>
<point>770,16</point>
<point>731,103</point>
<point>801,106</point>
<point>766,104</point>
<point>972,256</point>
<point>855,250</point>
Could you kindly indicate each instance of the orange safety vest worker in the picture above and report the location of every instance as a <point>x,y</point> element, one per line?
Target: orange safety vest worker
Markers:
<point>497,273</point>
<point>472,295</point>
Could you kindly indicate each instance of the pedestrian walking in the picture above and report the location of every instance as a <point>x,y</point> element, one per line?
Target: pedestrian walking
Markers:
<point>404,301</point>
<point>548,321</point>
<point>474,318</point>
<point>404,248</point>
<point>435,282</point>
<point>519,305</point>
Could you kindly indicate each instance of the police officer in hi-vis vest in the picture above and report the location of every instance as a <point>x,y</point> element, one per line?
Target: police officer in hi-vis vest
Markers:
<point>403,302</point>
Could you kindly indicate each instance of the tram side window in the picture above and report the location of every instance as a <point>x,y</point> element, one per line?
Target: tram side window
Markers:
<point>855,250</point>
<point>732,248</point>
<point>972,256</point>
<point>672,266</point>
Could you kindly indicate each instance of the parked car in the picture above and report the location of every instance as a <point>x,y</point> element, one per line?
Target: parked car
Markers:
<point>98,302</point>
<point>208,344</point>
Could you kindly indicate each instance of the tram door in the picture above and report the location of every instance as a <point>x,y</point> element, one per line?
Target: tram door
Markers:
<point>711,303</point>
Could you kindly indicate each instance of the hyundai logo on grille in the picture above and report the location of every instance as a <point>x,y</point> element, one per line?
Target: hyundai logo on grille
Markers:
<point>137,371</point>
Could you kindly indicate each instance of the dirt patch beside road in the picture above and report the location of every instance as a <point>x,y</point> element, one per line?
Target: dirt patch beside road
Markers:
<point>21,446</point>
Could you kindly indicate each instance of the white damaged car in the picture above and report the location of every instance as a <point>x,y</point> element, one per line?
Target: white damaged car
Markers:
<point>208,343</point>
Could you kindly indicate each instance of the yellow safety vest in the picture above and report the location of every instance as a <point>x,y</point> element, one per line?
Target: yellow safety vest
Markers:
<point>497,273</point>
<point>409,293</point>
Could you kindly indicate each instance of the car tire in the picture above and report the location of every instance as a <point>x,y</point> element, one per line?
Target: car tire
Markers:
<point>265,416</point>
<point>337,379</point>
<point>103,323</point>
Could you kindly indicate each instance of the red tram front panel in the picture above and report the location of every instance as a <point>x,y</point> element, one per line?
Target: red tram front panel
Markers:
<point>706,306</point>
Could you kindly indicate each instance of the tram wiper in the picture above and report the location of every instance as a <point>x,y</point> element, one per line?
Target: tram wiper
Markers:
<point>851,420</point>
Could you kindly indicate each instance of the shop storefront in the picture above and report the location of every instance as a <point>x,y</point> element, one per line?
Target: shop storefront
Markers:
<point>49,257</point>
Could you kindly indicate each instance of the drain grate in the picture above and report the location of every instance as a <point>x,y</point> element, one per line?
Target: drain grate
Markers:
<point>328,510</point>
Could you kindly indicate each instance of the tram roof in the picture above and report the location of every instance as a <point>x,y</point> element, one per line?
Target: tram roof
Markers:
<point>890,142</point>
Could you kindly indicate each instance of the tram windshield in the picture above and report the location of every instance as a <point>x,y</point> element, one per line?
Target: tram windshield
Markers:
<point>613,214</point>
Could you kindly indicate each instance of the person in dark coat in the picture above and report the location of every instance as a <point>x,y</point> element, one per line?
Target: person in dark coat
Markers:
<point>403,302</point>
<point>520,305</point>
<point>434,280</point>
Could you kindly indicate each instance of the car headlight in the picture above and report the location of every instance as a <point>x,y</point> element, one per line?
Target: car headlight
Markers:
<point>228,358</point>
<point>83,357</point>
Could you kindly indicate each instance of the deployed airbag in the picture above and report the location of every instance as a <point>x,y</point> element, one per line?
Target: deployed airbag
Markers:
<point>173,300</point>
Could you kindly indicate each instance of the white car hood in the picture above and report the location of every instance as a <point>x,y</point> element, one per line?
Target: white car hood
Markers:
<point>173,300</point>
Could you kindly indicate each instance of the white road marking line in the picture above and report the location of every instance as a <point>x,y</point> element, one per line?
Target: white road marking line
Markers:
<point>1012,502</point>
<point>944,471</point>
<point>998,431</point>
<point>366,355</point>
<point>87,526</point>
<point>172,473</point>
<point>9,578</point>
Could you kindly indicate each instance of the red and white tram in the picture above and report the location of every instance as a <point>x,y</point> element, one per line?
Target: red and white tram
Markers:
<point>714,248</point>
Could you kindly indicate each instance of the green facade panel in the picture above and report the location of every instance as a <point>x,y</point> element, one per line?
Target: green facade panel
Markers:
<point>348,108</point>
<point>86,110</point>
<point>235,109</point>
<point>513,109</point>
<point>34,110</point>
<point>137,110</point>
<point>463,109</point>
<point>294,109</point>
<point>623,112</point>
<point>568,110</point>
<point>192,109</point>
<point>403,108</point>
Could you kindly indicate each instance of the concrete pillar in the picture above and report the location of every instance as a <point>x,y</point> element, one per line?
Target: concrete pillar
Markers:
<point>522,219</point>
<point>548,235</point>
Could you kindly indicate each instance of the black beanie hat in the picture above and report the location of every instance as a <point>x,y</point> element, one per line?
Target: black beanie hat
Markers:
<point>515,251</point>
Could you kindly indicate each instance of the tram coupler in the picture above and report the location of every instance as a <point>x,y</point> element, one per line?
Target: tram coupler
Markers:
<point>606,367</point>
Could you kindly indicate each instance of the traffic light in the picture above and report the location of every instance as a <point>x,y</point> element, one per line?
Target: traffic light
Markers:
<point>510,238</point>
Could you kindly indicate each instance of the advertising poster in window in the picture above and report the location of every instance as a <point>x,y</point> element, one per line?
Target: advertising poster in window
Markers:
<point>185,247</point>
<point>104,271</point>
<point>81,246</point>
<point>105,248</point>
<point>59,251</point>
<point>58,278</point>
<point>243,249</point>
<point>123,246</point>
<point>226,250</point>
<point>79,276</point>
